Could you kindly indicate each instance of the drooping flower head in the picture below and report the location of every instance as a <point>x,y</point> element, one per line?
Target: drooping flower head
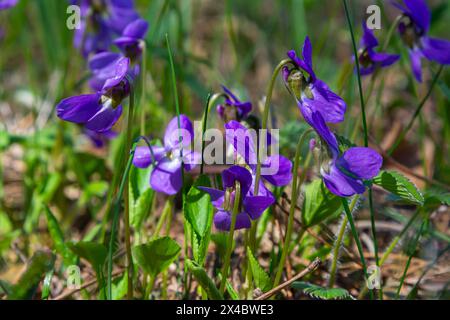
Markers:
<point>169,159</point>
<point>6,4</point>
<point>369,59</point>
<point>276,169</point>
<point>99,111</point>
<point>250,207</point>
<point>311,93</point>
<point>233,108</point>
<point>413,28</point>
<point>100,21</point>
<point>344,174</point>
<point>131,40</point>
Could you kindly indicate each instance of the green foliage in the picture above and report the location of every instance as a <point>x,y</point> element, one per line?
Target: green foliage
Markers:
<point>94,253</point>
<point>141,196</point>
<point>320,204</point>
<point>260,277</point>
<point>400,186</point>
<point>204,280</point>
<point>321,292</point>
<point>156,256</point>
<point>41,263</point>
<point>58,239</point>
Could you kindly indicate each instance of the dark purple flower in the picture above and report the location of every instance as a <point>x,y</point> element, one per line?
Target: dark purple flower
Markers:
<point>99,139</point>
<point>99,111</point>
<point>250,207</point>
<point>131,41</point>
<point>369,59</point>
<point>233,108</point>
<point>312,94</point>
<point>280,173</point>
<point>101,20</point>
<point>413,28</point>
<point>166,176</point>
<point>6,4</point>
<point>345,173</point>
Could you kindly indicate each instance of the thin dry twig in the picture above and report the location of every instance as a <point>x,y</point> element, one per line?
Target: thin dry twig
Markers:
<point>312,266</point>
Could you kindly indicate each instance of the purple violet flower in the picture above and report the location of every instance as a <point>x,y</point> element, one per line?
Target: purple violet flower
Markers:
<point>233,108</point>
<point>131,41</point>
<point>312,94</point>
<point>250,207</point>
<point>413,28</point>
<point>369,59</point>
<point>99,111</point>
<point>166,176</point>
<point>6,4</point>
<point>99,139</point>
<point>245,146</point>
<point>345,173</point>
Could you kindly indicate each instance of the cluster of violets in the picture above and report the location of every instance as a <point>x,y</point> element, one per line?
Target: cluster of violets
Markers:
<point>345,172</point>
<point>105,23</point>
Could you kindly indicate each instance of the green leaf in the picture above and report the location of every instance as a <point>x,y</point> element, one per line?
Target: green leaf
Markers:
<point>400,186</point>
<point>319,204</point>
<point>204,280</point>
<point>141,195</point>
<point>435,198</point>
<point>120,287</point>
<point>198,209</point>
<point>41,263</point>
<point>321,292</point>
<point>58,239</point>
<point>260,277</point>
<point>94,253</point>
<point>156,256</point>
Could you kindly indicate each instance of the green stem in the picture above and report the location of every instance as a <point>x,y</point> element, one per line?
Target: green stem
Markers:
<point>338,243</point>
<point>149,288</point>
<point>294,195</point>
<point>413,248</point>
<point>142,100</point>
<point>356,237</point>
<point>226,264</point>
<point>204,124</point>
<point>416,113</point>
<point>126,216</point>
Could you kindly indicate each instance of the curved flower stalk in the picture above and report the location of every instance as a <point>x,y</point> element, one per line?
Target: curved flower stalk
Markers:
<point>169,159</point>
<point>99,111</point>
<point>413,28</point>
<point>6,4</point>
<point>233,108</point>
<point>369,59</point>
<point>101,20</point>
<point>245,146</point>
<point>250,207</point>
<point>345,174</point>
<point>311,93</point>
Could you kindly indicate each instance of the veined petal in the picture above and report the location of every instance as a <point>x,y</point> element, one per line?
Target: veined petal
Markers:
<point>136,29</point>
<point>415,56</point>
<point>172,134</point>
<point>237,173</point>
<point>362,162</point>
<point>166,177</point>
<point>254,206</point>
<point>242,140</point>
<point>419,12</point>
<point>79,109</point>
<point>217,196</point>
<point>120,72</point>
<point>143,157</point>
<point>368,40</point>
<point>222,221</point>
<point>384,59</point>
<point>436,50</point>
<point>104,119</point>
<point>342,185</point>
<point>283,173</point>
<point>318,123</point>
<point>191,159</point>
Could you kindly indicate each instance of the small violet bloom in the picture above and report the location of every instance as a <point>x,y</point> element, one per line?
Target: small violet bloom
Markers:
<point>100,139</point>
<point>369,59</point>
<point>250,207</point>
<point>275,169</point>
<point>311,93</point>
<point>233,108</point>
<point>99,111</point>
<point>169,159</point>
<point>6,4</point>
<point>131,40</point>
<point>345,173</point>
<point>413,28</point>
